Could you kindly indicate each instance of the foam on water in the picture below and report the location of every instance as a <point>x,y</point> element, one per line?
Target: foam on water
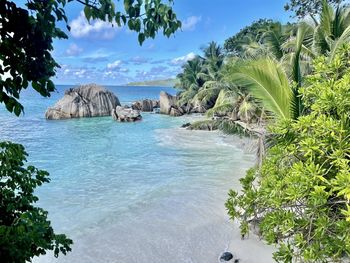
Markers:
<point>132,192</point>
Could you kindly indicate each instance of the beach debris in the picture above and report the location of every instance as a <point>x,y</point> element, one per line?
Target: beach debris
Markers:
<point>226,256</point>
<point>123,114</point>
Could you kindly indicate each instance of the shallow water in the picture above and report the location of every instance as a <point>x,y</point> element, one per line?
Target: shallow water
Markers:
<point>131,192</point>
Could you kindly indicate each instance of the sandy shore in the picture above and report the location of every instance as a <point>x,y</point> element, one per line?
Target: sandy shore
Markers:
<point>185,221</point>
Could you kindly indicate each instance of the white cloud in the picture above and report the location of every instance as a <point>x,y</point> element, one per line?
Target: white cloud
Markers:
<point>183,59</point>
<point>82,28</point>
<point>73,50</point>
<point>80,73</point>
<point>115,65</point>
<point>189,24</point>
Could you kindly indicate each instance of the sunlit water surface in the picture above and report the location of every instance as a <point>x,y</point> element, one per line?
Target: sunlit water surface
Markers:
<point>130,192</point>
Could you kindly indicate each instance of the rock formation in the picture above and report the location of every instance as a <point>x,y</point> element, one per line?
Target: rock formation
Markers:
<point>168,105</point>
<point>85,101</point>
<point>124,114</point>
<point>145,105</point>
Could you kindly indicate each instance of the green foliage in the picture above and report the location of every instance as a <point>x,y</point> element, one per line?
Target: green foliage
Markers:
<point>200,80</point>
<point>25,45</point>
<point>207,125</point>
<point>250,33</point>
<point>300,197</point>
<point>27,34</point>
<point>267,81</point>
<point>25,231</point>
<point>302,8</point>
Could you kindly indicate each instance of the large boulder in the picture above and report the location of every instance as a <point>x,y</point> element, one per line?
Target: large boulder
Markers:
<point>125,114</point>
<point>166,102</point>
<point>168,105</point>
<point>85,101</point>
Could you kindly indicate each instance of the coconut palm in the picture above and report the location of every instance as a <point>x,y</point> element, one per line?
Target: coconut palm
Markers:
<point>274,38</point>
<point>333,26</point>
<point>189,80</point>
<point>266,80</point>
<point>213,61</point>
<point>276,83</point>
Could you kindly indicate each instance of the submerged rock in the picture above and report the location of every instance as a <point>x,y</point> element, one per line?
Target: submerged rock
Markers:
<point>206,125</point>
<point>226,256</point>
<point>124,114</point>
<point>85,101</point>
<point>185,125</point>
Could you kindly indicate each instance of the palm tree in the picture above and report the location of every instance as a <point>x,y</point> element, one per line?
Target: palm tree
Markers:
<point>213,61</point>
<point>276,82</point>
<point>189,80</point>
<point>274,38</point>
<point>333,26</point>
<point>267,81</point>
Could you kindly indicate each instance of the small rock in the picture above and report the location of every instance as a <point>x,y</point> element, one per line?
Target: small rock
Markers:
<point>175,111</point>
<point>236,260</point>
<point>185,125</point>
<point>226,256</point>
<point>126,114</point>
<point>145,105</point>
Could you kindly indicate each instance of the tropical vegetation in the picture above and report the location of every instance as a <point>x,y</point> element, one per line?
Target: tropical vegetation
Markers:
<point>290,81</point>
<point>300,196</point>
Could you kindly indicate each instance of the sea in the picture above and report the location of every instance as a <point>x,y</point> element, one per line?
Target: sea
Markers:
<point>144,192</point>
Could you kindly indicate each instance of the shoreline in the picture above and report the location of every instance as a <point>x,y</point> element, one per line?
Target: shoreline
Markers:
<point>242,249</point>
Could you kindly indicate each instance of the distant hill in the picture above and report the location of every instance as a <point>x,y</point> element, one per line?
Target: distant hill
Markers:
<point>157,83</point>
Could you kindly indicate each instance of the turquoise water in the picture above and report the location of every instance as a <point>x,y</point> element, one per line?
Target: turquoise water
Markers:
<point>130,192</point>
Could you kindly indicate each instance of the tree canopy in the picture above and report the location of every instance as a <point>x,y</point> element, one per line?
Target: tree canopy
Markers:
<point>302,8</point>
<point>252,32</point>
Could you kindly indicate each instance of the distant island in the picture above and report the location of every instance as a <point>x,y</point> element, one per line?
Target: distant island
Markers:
<point>159,83</point>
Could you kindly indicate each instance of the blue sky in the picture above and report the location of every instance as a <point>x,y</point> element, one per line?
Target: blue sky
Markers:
<point>100,53</point>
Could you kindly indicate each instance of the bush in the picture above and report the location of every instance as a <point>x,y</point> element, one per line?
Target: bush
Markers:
<point>25,231</point>
<point>300,197</point>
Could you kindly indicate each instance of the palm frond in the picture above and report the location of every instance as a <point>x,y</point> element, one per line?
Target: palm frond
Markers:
<point>267,81</point>
<point>343,39</point>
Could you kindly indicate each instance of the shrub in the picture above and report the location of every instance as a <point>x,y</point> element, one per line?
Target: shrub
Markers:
<point>300,196</point>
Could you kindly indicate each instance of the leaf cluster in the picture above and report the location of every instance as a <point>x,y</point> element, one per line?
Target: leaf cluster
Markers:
<point>25,230</point>
<point>302,8</point>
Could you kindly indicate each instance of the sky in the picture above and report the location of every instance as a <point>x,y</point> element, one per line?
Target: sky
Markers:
<point>97,52</point>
